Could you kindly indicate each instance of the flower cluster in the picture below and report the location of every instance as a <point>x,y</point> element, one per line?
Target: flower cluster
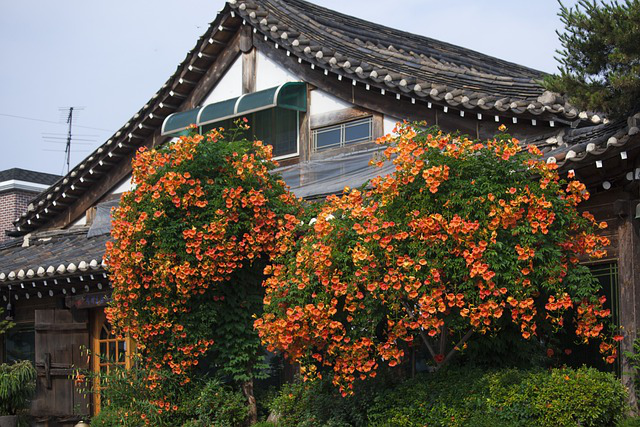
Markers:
<point>461,235</point>
<point>203,211</point>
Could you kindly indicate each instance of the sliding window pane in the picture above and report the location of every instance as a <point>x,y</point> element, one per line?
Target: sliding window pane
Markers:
<point>286,132</point>
<point>328,137</point>
<point>358,132</point>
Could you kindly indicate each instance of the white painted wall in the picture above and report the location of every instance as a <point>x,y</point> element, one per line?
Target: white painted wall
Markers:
<point>125,185</point>
<point>389,124</point>
<point>321,102</point>
<point>270,74</point>
<point>230,86</point>
<point>81,221</point>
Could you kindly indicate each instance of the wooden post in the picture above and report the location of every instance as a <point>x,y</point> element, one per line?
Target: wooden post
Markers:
<point>249,68</point>
<point>249,60</point>
<point>629,288</point>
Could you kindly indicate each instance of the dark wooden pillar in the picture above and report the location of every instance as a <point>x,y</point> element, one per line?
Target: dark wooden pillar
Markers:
<point>629,288</point>
<point>249,60</point>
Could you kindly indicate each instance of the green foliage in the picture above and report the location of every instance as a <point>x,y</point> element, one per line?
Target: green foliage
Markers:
<point>203,403</point>
<point>318,403</point>
<point>17,384</point>
<point>630,422</point>
<point>563,397</point>
<point>217,405</point>
<point>600,59</point>
<point>5,324</point>
<point>634,361</point>
<point>190,244</point>
<point>461,397</point>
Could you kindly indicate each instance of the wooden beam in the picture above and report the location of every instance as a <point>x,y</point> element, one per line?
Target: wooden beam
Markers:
<point>304,142</point>
<point>629,293</point>
<point>249,70</point>
<point>338,116</point>
<point>213,75</point>
<point>246,39</point>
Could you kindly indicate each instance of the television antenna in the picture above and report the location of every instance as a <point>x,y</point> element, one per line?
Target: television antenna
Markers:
<point>67,150</point>
<point>68,115</point>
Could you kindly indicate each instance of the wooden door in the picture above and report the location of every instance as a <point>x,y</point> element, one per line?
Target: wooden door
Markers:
<point>60,334</point>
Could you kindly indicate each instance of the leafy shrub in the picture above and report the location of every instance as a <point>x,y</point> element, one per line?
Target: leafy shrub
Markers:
<point>630,422</point>
<point>443,246</point>
<point>318,403</point>
<point>17,384</point>
<point>219,406</point>
<point>564,397</point>
<point>460,397</point>
<point>202,402</point>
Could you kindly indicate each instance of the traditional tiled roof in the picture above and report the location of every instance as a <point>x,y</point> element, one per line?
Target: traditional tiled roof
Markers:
<point>28,176</point>
<point>570,147</point>
<point>601,156</point>
<point>409,66</point>
<point>52,254</point>
<point>403,63</point>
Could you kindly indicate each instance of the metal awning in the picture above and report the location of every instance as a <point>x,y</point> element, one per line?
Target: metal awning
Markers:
<point>291,96</point>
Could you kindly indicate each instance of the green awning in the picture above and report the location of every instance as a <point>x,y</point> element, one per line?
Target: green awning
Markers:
<point>291,96</point>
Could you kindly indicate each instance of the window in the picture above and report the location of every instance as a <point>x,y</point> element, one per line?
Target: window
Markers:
<point>20,343</point>
<point>589,354</point>
<point>343,134</point>
<point>277,127</point>
<point>607,275</point>
<point>107,353</point>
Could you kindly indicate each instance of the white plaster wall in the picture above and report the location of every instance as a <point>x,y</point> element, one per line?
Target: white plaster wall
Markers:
<point>389,124</point>
<point>321,102</point>
<point>125,185</point>
<point>270,74</point>
<point>81,221</point>
<point>230,86</point>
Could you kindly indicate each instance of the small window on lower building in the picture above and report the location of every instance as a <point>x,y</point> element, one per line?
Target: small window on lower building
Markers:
<point>343,134</point>
<point>20,343</point>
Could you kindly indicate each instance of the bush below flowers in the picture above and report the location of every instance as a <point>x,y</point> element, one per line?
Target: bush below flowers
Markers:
<point>462,397</point>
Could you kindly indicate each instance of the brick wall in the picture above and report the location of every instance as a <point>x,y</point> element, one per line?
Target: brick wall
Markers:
<point>12,204</point>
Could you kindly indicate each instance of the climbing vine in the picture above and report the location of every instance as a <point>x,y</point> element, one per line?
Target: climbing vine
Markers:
<point>461,235</point>
<point>190,242</point>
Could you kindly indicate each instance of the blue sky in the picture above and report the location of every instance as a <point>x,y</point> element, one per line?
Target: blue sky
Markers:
<point>111,57</point>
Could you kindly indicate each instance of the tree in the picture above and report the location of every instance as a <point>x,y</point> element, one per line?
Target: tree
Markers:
<point>463,235</point>
<point>600,56</point>
<point>190,242</point>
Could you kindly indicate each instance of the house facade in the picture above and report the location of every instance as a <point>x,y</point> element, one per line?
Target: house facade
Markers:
<point>320,87</point>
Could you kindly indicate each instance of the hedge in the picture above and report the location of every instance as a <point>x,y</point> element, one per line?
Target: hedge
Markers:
<point>462,397</point>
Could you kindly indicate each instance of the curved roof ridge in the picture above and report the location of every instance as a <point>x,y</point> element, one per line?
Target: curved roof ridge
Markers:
<point>403,39</point>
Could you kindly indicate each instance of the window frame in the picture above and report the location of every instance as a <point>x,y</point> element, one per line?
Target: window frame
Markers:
<point>99,319</point>
<point>282,157</point>
<point>342,126</point>
<point>20,327</point>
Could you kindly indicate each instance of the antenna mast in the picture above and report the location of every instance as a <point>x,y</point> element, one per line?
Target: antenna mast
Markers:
<point>67,150</point>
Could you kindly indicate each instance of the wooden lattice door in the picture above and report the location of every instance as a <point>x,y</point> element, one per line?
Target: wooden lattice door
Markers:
<point>59,336</point>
